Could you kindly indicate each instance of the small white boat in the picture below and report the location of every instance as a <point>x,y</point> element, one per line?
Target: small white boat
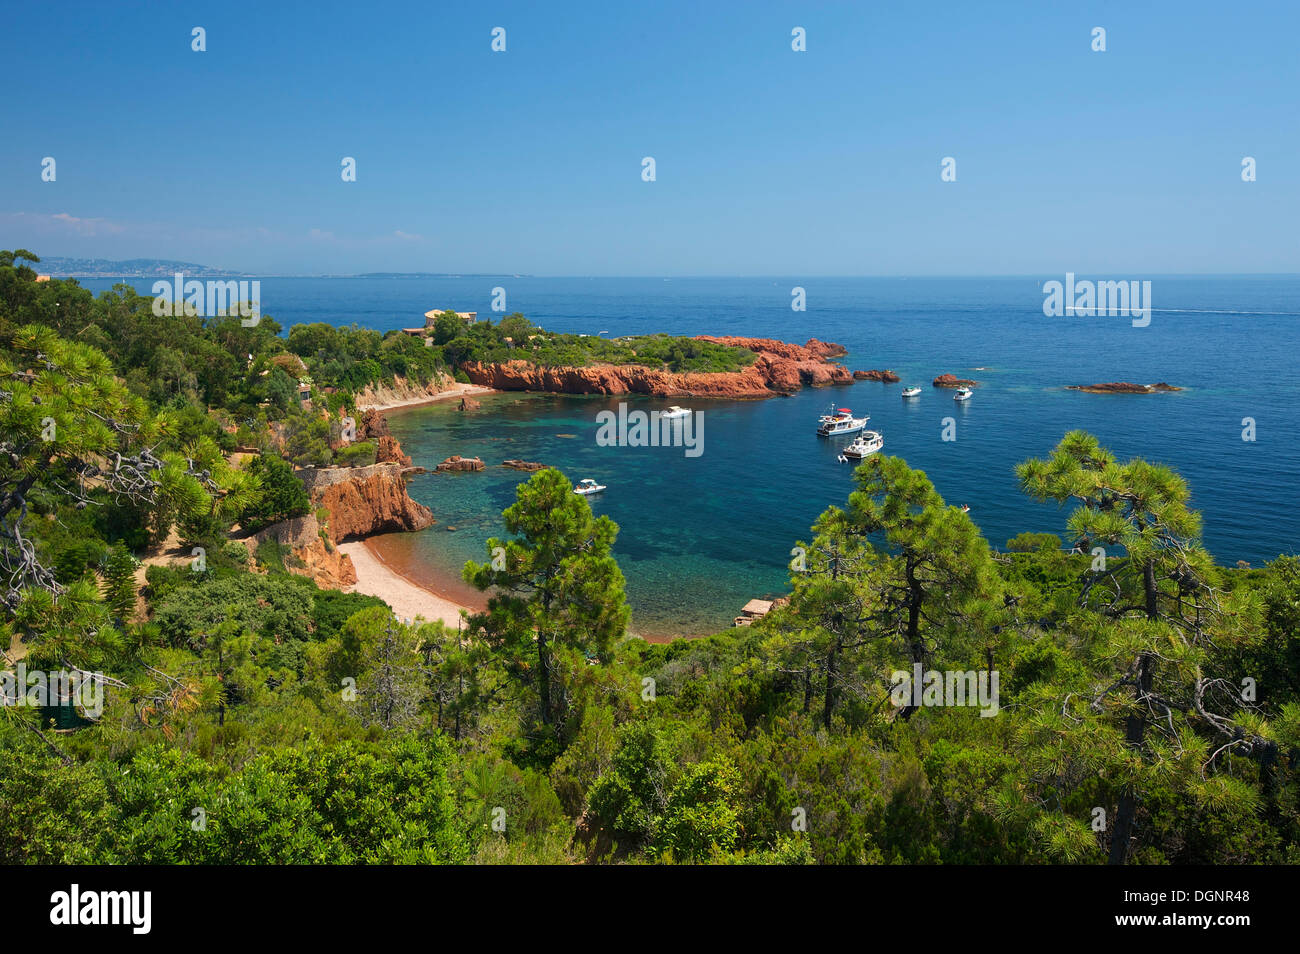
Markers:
<point>965,508</point>
<point>911,392</point>
<point>588,486</point>
<point>840,422</point>
<point>963,394</point>
<point>865,445</point>
<point>673,412</point>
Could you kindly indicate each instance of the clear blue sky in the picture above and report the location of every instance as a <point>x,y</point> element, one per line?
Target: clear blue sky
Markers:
<point>769,162</point>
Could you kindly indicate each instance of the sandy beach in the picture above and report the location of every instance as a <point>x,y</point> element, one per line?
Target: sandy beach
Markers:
<point>455,390</point>
<point>408,599</point>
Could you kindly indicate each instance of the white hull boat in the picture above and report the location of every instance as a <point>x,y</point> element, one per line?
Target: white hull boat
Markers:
<point>865,445</point>
<point>911,392</point>
<point>674,412</point>
<point>840,422</point>
<point>587,486</point>
<point>963,394</point>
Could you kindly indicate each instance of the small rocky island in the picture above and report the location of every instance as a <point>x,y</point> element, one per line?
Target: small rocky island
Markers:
<point>952,381</point>
<point>1121,387</point>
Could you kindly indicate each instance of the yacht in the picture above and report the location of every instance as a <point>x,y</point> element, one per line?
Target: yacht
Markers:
<point>913,391</point>
<point>963,394</point>
<point>866,444</point>
<point>588,486</point>
<point>839,422</point>
<point>673,412</point>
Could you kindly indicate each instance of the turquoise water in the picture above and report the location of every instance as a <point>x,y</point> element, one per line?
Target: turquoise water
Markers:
<point>702,536</point>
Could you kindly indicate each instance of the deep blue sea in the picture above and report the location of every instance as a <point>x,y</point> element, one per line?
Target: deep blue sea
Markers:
<point>700,536</point>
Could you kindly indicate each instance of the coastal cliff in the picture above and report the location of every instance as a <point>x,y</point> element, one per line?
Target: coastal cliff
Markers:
<point>363,501</point>
<point>780,368</point>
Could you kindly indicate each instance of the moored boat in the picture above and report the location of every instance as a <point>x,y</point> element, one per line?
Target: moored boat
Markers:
<point>963,394</point>
<point>866,444</point>
<point>588,486</point>
<point>841,421</point>
<point>911,392</point>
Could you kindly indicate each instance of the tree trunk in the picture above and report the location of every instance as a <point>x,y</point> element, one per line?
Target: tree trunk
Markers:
<point>544,677</point>
<point>916,646</point>
<point>1135,729</point>
<point>828,703</point>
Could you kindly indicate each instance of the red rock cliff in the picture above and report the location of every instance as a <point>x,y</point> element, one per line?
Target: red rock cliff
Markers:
<point>367,500</point>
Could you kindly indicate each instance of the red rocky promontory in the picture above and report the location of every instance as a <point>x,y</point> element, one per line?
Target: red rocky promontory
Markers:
<point>952,381</point>
<point>780,368</point>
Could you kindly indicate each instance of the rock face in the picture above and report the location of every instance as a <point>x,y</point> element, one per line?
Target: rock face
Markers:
<point>826,349</point>
<point>780,368</point>
<point>374,427</point>
<point>310,554</point>
<point>885,377</point>
<point>527,465</point>
<point>363,501</point>
<point>401,391</point>
<point>952,381</point>
<point>457,463</point>
<point>1121,387</point>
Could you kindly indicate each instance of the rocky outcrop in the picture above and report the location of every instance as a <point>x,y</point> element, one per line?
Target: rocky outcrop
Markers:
<point>389,451</point>
<point>527,465</point>
<point>374,427</point>
<point>826,349</point>
<point>456,463</point>
<point>469,404</point>
<point>885,377</point>
<point>952,381</point>
<point>780,368</point>
<point>1121,387</point>
<point>310,554</point>
<point>363,501</point>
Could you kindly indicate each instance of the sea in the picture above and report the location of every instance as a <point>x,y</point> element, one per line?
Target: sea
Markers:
<point>701,535</point>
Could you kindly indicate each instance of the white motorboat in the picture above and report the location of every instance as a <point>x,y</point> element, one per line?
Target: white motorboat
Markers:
<point>911,392</point>
<point>588,486</point>
<point>866,444</point>
<point>673,412</point>
<point>841,421</point>
<point>963,394</point>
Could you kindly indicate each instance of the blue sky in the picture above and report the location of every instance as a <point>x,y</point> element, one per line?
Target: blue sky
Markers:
<point>768,161</point>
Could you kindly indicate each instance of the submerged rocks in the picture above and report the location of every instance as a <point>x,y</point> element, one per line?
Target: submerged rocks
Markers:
<point>455,463</point>
<point>1121,387</point>
<point>884,377</point>
<point>952,381</point>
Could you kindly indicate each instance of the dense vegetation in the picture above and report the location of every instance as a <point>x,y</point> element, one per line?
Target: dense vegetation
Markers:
<point>1147,705</point>
<point>515,338</point>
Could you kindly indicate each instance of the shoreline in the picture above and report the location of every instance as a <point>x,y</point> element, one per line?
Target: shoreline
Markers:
<point>458,389</point>
<point>408,599</point>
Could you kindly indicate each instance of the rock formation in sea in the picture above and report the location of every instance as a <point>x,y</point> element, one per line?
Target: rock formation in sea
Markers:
<point>469,404</point>
<point>456,463</point>
<point>952,381</point>
<point>885,377</point>
<point>1121,387</point>
<point>780,368</point>
<point>528,465</point>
